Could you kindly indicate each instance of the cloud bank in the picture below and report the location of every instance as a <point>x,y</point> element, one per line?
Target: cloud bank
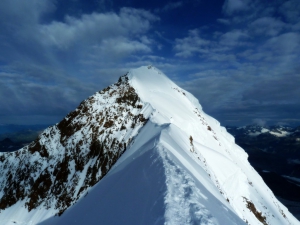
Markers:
<point>239,58</point>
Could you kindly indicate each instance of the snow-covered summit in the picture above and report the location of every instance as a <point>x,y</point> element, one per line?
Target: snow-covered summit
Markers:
<point>157,89</point>
<point>150,80</point>
<point>141,151</point>
<point>172,104</point>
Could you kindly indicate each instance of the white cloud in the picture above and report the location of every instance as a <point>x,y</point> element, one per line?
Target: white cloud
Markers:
<point>98,27</point>
<point>47,61</point>
<point>188,46</point>
<point>223,21</point>
<point>267,26</point>
<point>16,12</point>
<point>223,57</point>
<point>121,47</point>
<point>276,55</point>
<point>234,38</point>
<point>251,68</point>
<point>44,64</point>
<point>259,121</point>
<point>232,6</point>
<point>291,10</point>
<point>170,6</point>
<point>284,43</point>
<point>218,48</point>
<point>282,51</point>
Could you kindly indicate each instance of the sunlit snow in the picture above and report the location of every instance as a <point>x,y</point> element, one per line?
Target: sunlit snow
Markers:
<point>181,168</point>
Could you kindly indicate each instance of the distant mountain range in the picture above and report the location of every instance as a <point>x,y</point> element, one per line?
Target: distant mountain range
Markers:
<point>20,133</point>
<point>274,141</point>
<point>256,130</point>
<point>274,152</point>
<point>7,145</point>
<point>13,137</point>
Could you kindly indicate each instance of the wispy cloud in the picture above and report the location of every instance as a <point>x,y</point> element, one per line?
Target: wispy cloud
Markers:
<point>96,27</point>
<point>223,21</point>
<point>169,6</point>
<point>269,26</point>
<point>290,10</point>
<point>241,64</point>
<point>190,45</point>
<point>233,6</point>
<point>47,68</point>
<point>251,68</point>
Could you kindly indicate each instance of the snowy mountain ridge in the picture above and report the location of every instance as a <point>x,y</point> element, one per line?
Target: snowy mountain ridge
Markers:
<point>52,173</point>
<point>165,162</point>
<point>255,130</point>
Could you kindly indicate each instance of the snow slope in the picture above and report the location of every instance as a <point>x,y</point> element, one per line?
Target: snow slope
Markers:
<point>181,167</point>
<point>149,186</point>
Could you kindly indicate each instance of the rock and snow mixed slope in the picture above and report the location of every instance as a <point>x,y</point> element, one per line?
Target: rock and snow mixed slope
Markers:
<point>178,166</point>
<point>46,177</point>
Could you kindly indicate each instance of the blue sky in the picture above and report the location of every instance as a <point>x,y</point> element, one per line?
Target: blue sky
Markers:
<point>240,58</point>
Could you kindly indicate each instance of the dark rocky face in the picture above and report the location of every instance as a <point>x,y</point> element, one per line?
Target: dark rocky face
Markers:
<point>68,158</point>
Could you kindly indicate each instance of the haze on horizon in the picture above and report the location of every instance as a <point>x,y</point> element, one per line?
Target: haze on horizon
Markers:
<point>240,58</point>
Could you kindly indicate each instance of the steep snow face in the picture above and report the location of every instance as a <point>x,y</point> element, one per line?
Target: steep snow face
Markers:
<point>180,167</point>
<point>210,146</point>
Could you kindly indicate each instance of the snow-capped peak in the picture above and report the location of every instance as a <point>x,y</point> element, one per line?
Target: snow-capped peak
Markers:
<point>171,104</point>
<point>256,130</point>
<point>151,84</point>
<point>165,162</point>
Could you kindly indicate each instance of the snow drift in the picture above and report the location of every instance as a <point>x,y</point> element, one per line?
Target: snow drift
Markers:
<point>148,155</point>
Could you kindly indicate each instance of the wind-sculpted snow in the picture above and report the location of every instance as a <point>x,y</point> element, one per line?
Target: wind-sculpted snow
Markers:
<point>181,167</point>
<point>54,171</point>
<point>185,203</point>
